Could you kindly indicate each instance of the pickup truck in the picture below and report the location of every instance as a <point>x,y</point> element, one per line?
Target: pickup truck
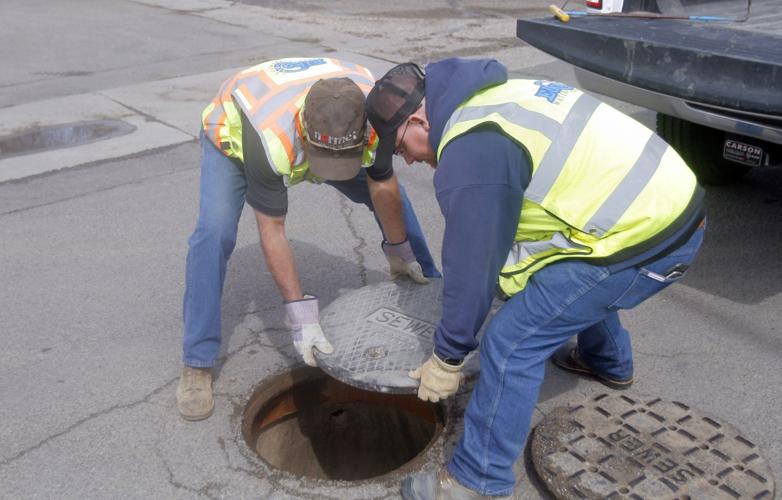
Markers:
<point>716,85</point>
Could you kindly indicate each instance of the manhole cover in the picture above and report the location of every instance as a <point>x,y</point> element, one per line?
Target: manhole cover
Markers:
<point>627,447</point>
<point>380,332</point>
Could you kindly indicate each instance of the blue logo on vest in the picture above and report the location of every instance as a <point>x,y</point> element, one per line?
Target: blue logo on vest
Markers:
<point>296,66</point>
<point>551,90</point>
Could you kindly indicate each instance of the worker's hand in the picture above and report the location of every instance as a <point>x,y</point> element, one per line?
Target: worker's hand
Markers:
<point>438,379</point>
<point>401,261</point>
<point>304,322</point>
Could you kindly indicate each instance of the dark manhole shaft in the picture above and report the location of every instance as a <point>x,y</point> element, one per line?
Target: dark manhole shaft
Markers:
<point>309,424</point>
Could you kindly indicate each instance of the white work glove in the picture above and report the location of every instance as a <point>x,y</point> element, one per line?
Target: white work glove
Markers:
<point>304,322</point>
<point>438,379</point>
<point>401,261</point>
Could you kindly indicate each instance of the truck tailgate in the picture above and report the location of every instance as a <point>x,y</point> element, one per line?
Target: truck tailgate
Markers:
<point>734,65</point>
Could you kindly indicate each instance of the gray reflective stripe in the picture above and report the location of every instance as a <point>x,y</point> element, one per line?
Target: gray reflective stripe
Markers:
<point>298,150</point>
<point>211,122</point>
<point>511,112</point>
<point>268,155</point>
<point>254,84</point>
<point>215,114</point>
<point>286,122</point>
<point>213,117</point>
<point>260,115</point>
<point>524,249</point>
<point>558,152</point>
<point>348,65</point>
<point>636,179</point>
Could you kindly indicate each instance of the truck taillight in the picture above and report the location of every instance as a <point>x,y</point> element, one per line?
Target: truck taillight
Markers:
<point>594,4</point>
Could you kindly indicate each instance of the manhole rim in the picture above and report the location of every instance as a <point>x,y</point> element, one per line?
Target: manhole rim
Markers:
<point>433,452</point>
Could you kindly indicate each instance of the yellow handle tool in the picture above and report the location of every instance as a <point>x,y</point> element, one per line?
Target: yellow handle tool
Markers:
<point>559,13</point>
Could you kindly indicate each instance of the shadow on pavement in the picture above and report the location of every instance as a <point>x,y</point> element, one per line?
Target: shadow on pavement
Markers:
<point>250,289</point>
<point>739,259</point>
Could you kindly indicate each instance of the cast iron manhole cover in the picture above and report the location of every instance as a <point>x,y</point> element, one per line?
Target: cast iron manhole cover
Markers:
<point>629,447</point>
<point>380,332</point>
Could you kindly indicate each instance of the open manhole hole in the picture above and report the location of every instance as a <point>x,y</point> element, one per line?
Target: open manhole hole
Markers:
<point>612,446</point>
<point>311,425</point>
<point>61,136</point>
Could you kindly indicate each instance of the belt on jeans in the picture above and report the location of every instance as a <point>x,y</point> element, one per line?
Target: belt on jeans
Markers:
<point>680,241</point>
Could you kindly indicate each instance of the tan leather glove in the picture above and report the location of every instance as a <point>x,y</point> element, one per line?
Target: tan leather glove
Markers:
<point>438,379</point>
<point>401,262</point>
<point>304,321</point>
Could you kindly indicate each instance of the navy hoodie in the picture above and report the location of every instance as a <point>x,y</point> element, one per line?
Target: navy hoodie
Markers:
<point>479,183</point>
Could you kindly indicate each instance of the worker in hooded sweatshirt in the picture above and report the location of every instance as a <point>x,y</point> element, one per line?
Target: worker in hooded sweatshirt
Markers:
<point>562,205</point>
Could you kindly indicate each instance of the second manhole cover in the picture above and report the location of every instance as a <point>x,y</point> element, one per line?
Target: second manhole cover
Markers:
<point>630,447</point>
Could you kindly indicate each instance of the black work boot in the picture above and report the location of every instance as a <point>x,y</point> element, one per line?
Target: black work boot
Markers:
<point>568,358</point>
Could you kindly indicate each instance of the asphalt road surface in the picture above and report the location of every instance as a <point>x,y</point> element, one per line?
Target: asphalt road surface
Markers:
<point>93,241</point>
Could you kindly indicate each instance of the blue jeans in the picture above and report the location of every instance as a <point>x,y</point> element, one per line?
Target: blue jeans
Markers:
<point>222,197</point>
<point>561,300</point>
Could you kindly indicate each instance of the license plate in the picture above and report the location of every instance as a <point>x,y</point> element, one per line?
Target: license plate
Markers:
<point>741,152</point>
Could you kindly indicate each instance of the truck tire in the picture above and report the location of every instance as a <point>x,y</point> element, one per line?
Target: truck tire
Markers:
<point>701,148</point>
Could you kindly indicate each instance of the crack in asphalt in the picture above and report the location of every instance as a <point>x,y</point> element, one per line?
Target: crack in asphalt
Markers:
<point>257,342</point>
<point>253,474</point>
<point>92,416</point>
<point>147,116</point>
<point>291,357</point>
<point>347,212</point>
<point>205,490</point>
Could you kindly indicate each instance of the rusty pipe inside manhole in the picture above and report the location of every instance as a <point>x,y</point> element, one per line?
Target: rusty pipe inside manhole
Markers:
<point>311,425</point>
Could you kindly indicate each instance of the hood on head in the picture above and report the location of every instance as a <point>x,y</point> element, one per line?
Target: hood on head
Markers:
<point>450,82</point>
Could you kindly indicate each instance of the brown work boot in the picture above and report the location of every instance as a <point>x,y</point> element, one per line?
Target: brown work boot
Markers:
<point>440,485</point>
<point>568,358</point>
<point>194,393</point>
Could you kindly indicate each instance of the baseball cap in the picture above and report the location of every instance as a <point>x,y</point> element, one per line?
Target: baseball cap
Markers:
<point>335,120</point>
<point>393,98</point>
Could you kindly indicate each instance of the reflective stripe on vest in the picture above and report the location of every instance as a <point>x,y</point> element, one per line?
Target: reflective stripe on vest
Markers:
<point>221,122</point>
<point>527,251</point>
<point>272,96</point>
<point>637,178</point>
<point>601,182</point>
<point>562,144</point>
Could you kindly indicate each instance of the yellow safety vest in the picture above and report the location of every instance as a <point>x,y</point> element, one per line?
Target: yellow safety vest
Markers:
<point>272,96</point>
<point>601,182</point>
